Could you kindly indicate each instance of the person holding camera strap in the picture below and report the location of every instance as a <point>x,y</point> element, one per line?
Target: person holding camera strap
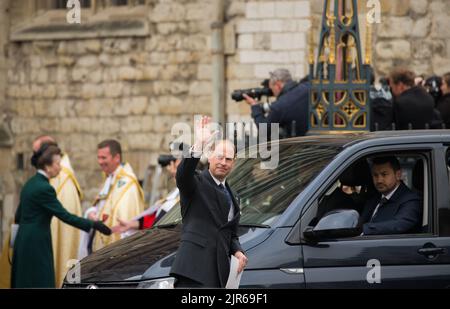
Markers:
<point>290,110</point>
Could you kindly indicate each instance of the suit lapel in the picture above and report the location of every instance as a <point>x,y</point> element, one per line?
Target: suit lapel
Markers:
<point>392,202</point>
<point>398,193</point>
<point>237,209</point>
<point>371,208</point>
<point>394,198</point>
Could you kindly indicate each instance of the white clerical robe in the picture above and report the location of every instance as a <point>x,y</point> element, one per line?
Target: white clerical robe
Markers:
<point>121,197</point>
<point>65,238</point>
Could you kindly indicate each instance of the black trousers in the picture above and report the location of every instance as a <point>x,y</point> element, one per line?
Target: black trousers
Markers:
<point>184,282</point>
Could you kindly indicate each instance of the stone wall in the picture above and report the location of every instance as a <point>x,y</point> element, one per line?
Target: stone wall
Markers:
<point>130,88</point>
<point>7,182</point>
<point>269,35</point>
<point>414,33</point>
<point>4,31</point>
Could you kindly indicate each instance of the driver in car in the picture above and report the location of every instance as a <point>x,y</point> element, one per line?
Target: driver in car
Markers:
<point>396,209</point>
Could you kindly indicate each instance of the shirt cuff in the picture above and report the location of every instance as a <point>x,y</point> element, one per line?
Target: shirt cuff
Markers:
<point>89,210</point>
<point>195,153</point>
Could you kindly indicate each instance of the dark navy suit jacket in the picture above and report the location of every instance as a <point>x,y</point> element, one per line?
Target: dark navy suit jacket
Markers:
<point>402,213</point>
<point>208,238</point>
<point>291,105</point>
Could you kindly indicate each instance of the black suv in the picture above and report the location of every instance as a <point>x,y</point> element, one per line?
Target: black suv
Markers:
<point>292,233</point>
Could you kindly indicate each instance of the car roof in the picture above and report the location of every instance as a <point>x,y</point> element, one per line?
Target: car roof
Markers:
<point>379,137</point>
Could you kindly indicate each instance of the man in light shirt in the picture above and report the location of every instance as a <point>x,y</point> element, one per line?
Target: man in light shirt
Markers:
<point>397,209</point>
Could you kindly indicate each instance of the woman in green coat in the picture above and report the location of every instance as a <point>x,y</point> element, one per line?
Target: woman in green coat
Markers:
<point>32,265</point>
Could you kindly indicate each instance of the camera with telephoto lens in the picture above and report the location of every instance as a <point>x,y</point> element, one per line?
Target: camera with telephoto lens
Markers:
<point>165,159</point>
<point>255,93</point>
<point>433,86</point>
<point>177,150</point>
<point>384,92</point>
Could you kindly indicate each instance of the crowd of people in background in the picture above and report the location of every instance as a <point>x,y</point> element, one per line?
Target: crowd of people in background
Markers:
<point>407,101</point>
<point>401,101</point>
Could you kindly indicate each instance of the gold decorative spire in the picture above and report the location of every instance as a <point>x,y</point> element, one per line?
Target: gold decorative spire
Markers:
<point>322,57</point>
<point>350,46</point>
<point>332,40</point>
<point>368,51</point>
<point>311,44</point>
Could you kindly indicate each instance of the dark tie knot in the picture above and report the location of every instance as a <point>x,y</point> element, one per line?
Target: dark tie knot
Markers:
<point>383,201</point>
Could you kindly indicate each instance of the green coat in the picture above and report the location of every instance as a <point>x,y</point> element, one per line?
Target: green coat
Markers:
<point>33,255</point>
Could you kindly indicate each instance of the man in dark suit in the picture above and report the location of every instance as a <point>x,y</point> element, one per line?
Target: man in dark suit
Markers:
<point>396,209</point>
<point>210,215</point>
<point>413,106</point>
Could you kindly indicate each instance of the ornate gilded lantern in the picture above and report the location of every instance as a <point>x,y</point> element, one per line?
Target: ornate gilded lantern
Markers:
<point>340,78</point>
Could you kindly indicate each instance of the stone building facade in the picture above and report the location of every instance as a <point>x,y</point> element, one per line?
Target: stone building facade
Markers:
<point>413,33</point>
<point>7,181</point>
<point>132,69</point>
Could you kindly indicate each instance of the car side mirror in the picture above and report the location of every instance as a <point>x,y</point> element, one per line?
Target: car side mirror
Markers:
<point>335,224</point>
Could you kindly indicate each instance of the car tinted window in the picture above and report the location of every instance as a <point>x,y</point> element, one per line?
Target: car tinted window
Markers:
<point>173,216</point>
<point>448,166</point>
<point>444,213</point>
<point>265,193</point>
<point>355,189</point>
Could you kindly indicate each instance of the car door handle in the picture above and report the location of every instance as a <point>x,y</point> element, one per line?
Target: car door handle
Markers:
<point>431,251</point>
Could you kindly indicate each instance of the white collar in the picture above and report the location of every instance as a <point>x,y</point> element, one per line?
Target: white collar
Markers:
<point>217,181</point>
<point>42,172</point>
<point>108,183</point>
<point>388,197</point>
<point>112,175</point>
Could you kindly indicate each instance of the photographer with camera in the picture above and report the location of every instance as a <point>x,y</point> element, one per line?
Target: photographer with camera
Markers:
<point>433,86</point>
<point>290,110</point>
<point>381,107</point>
<point>443,104</point>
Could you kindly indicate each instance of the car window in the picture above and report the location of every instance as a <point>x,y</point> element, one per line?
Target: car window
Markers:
<point>448,167</point>
<point>264,194</point>
<point>355,189</point>
<point>444,213</point>
<point>173,216</point>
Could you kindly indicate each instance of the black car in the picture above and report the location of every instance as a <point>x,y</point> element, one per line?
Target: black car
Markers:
<point>292,233</point>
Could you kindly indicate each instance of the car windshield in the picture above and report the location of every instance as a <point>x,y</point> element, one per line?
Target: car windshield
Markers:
<point>264,194</point>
